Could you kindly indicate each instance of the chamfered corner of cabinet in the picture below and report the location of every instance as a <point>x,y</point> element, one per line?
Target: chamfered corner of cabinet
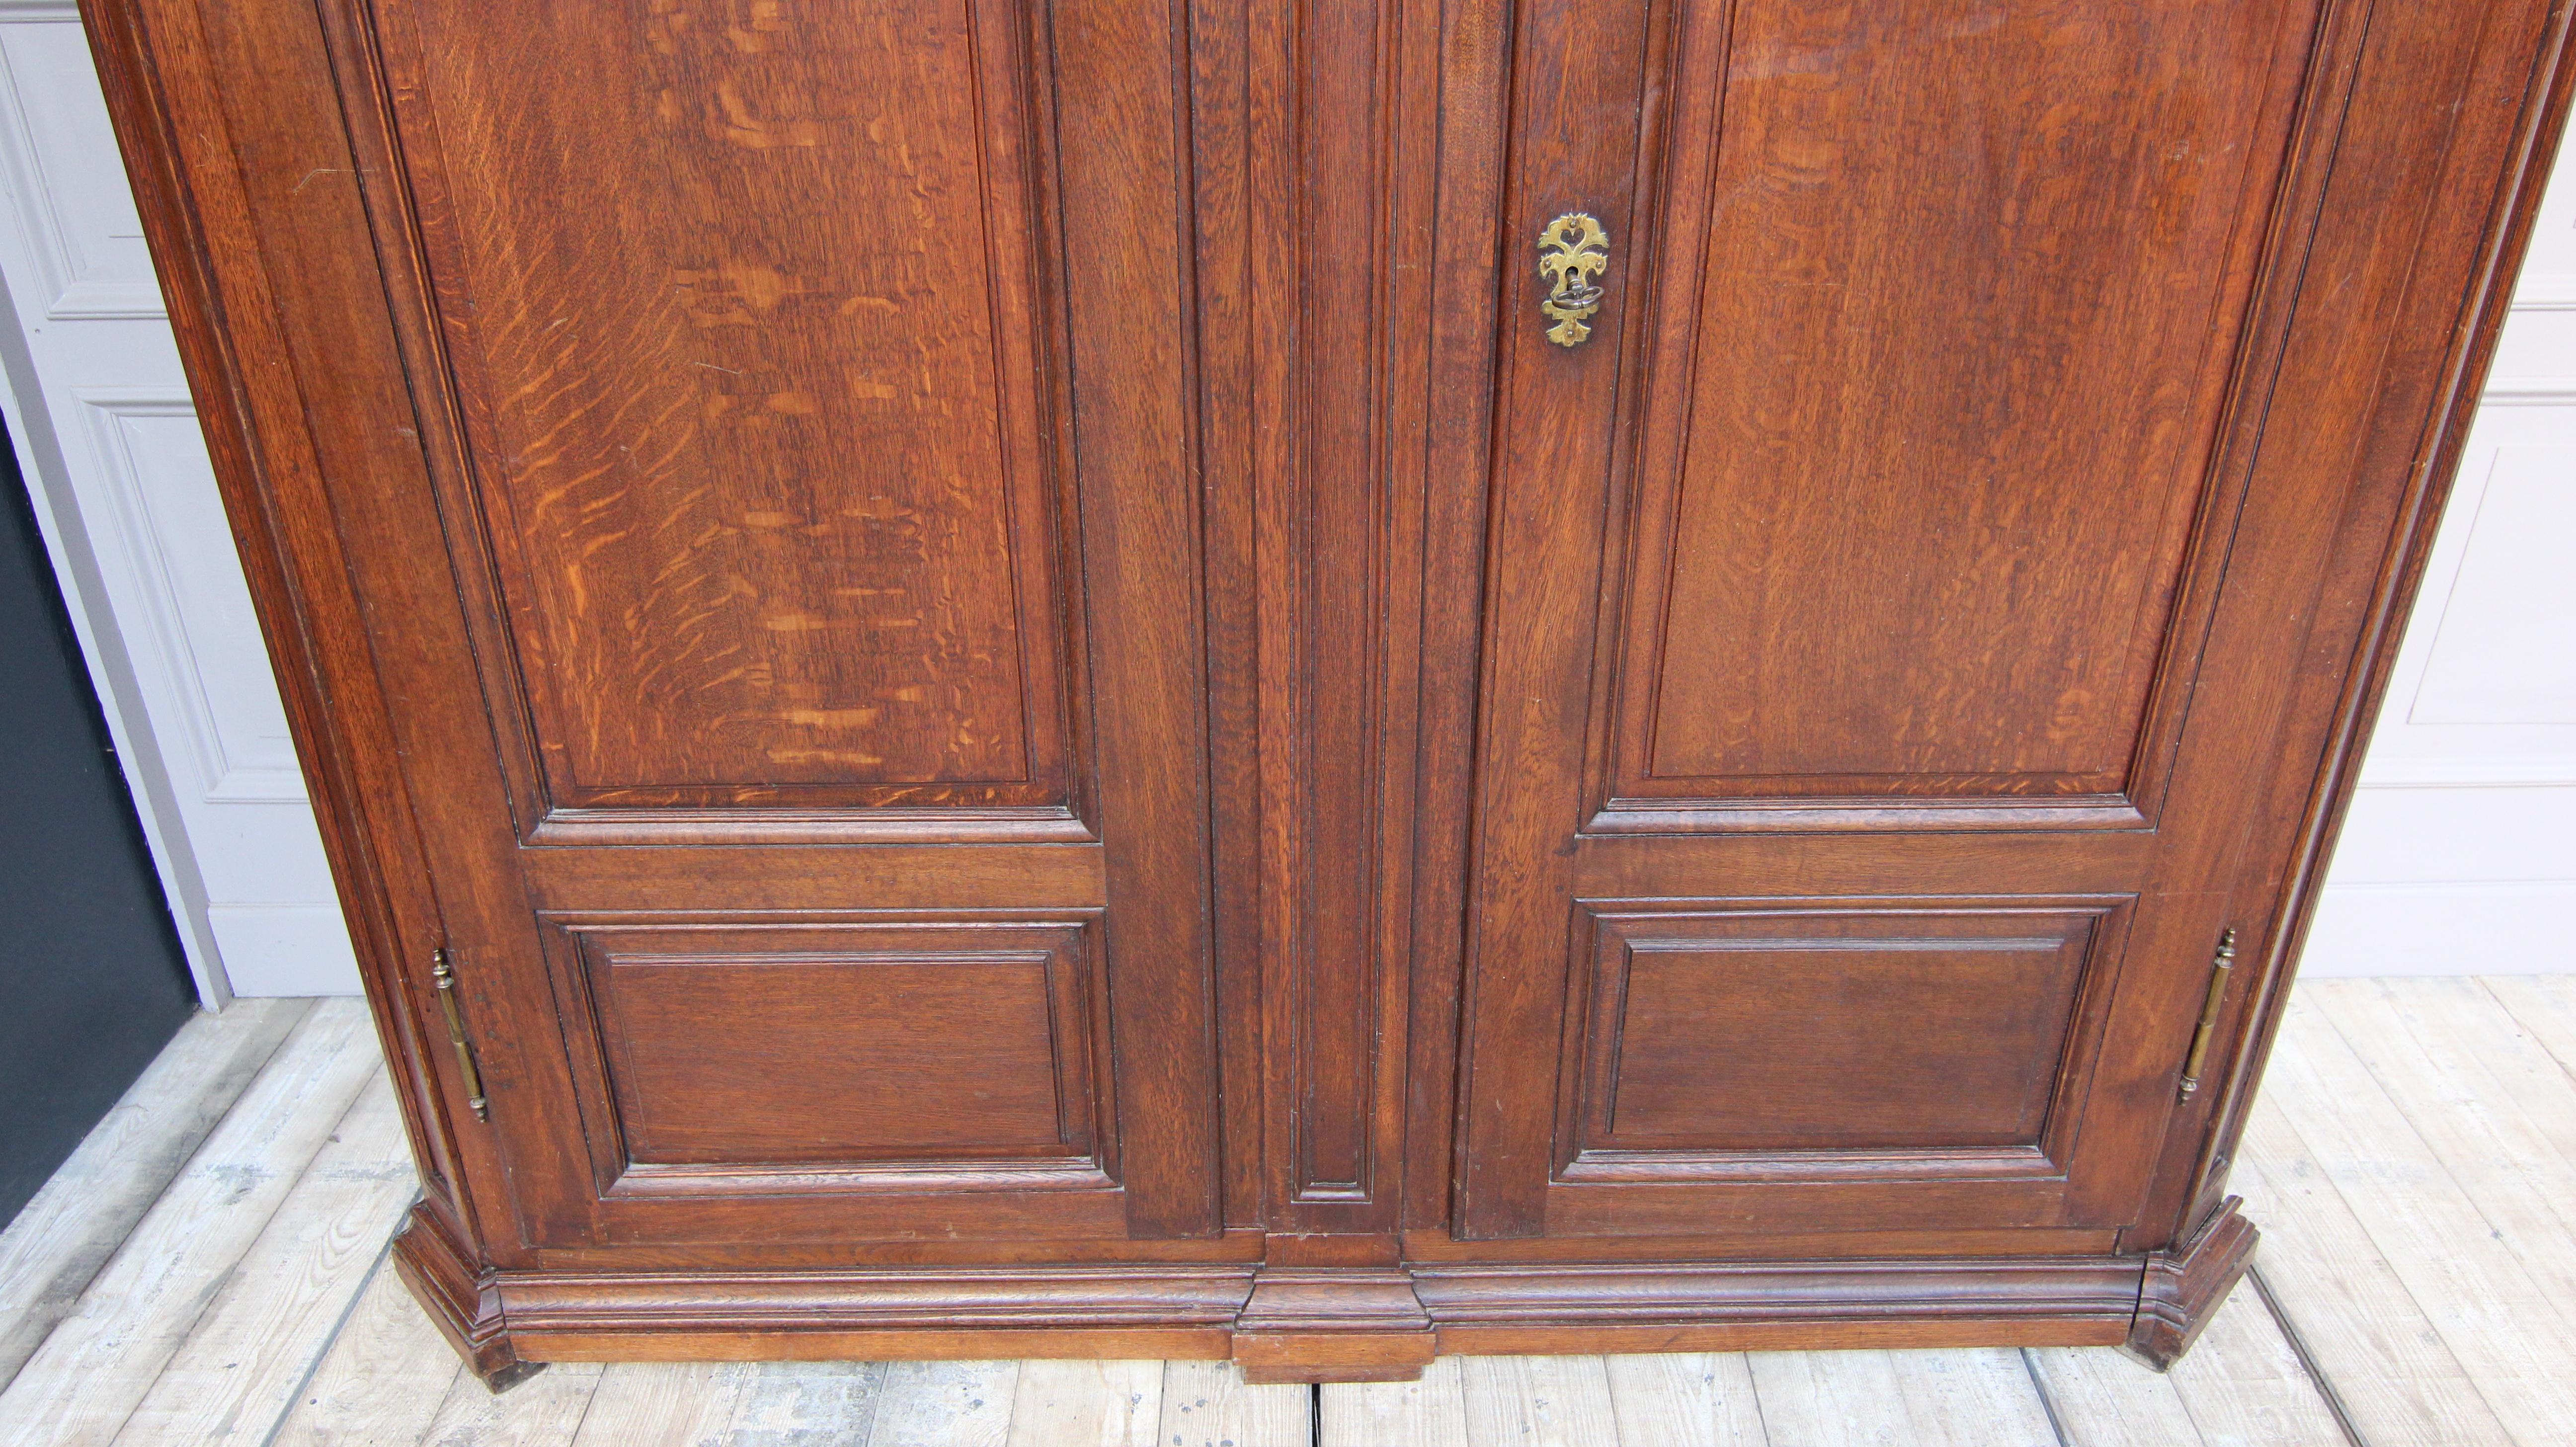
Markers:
<point>2184,1287</point>
<point>460,1299</point>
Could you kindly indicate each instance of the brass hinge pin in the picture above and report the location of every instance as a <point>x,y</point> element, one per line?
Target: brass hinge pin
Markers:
<point>443,974</point>
<point>2219,969</point>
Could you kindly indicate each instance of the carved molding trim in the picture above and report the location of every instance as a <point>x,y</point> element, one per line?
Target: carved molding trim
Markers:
<point>2183,1288</point>
<point>1293,1324</point>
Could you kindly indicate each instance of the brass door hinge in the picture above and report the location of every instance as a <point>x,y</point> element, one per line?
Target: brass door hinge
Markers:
<point>2219,968</point>
<point>442,973</point>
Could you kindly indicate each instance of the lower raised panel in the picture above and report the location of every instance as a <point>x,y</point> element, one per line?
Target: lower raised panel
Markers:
<point>1766,1065</point>
<point>846,1057</point>
<point>1831,1041</point>
<point>1758,1030</point>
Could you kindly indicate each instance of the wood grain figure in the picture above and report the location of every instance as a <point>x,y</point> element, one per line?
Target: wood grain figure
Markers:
<point>1044,706</point>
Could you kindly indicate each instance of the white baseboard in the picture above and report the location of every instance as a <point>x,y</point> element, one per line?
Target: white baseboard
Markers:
<point>285,949</point>
<point>2478,928</point>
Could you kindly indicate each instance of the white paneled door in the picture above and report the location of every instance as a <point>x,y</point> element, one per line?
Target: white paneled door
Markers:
<point>108,443</point>
<point>2460,855</point>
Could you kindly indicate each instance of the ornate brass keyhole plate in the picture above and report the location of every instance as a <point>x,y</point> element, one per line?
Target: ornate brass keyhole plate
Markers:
<point>1573,252</point>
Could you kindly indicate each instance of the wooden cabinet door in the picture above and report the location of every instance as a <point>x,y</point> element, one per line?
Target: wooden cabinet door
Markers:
<point>806,396</point>
<point>1859,795</point>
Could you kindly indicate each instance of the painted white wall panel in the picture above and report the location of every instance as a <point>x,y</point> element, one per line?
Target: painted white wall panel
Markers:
<point>2480,667</point>
<point>152,463</point>
<point>2444,929</point>
<point>85,243</point>
<point>2457,835</point>
<point>299,949</point>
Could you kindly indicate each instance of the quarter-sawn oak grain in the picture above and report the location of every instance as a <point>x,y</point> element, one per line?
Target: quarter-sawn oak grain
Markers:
<point>1038,720</point>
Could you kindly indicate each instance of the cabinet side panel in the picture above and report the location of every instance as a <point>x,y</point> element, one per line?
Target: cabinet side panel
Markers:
<point>2442,161</point>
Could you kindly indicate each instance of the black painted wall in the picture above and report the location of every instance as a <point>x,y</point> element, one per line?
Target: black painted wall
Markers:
<point>92,983</point>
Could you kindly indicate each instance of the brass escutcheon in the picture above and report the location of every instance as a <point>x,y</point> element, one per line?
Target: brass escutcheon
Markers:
<point>1573,251</point>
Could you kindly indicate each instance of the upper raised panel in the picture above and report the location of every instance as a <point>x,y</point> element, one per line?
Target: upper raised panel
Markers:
<point>1938,402</point>
<point>746,311</point>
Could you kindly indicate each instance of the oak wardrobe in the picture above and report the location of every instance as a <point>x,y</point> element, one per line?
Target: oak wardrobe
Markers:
<point>1329,682</point>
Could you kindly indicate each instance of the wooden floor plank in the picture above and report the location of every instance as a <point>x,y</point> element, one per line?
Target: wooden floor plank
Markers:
<point>2490,1309</point>
<point>2389,1367</point>
<point>1978,1398</point>
<point>2499,1073</point>
<point>1837,1399</point>
<point>1829,1399</point>
<point>1539,1401</point>
<point>66,1233</point>
<point>2103,1399</point>
<point>545,1410</point>
<point>1698,1400</point>
<point>2473,1082</point>
<point>1209,1404</point>
<point>1087,1404</point>
<point>662,1404</point>
<point>945,1404</point>
<point>252,1348</point>
<point>2497,1112</point>
<point>382,1379</point>
<point>2466,1016</point>
<point>1431,1412</point>
<point>2243,1381</point>
<point>2545,1005</point>
<point>807,1404</point>
<point>101,1358</point>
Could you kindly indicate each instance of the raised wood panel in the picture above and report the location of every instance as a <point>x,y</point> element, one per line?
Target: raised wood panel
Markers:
<point>889,1054</point>
<point>1928,539</point>
<point>850,1043</point>
<point>762,449</point>
<point>1336,561</point>
<point>1759,1030</point>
